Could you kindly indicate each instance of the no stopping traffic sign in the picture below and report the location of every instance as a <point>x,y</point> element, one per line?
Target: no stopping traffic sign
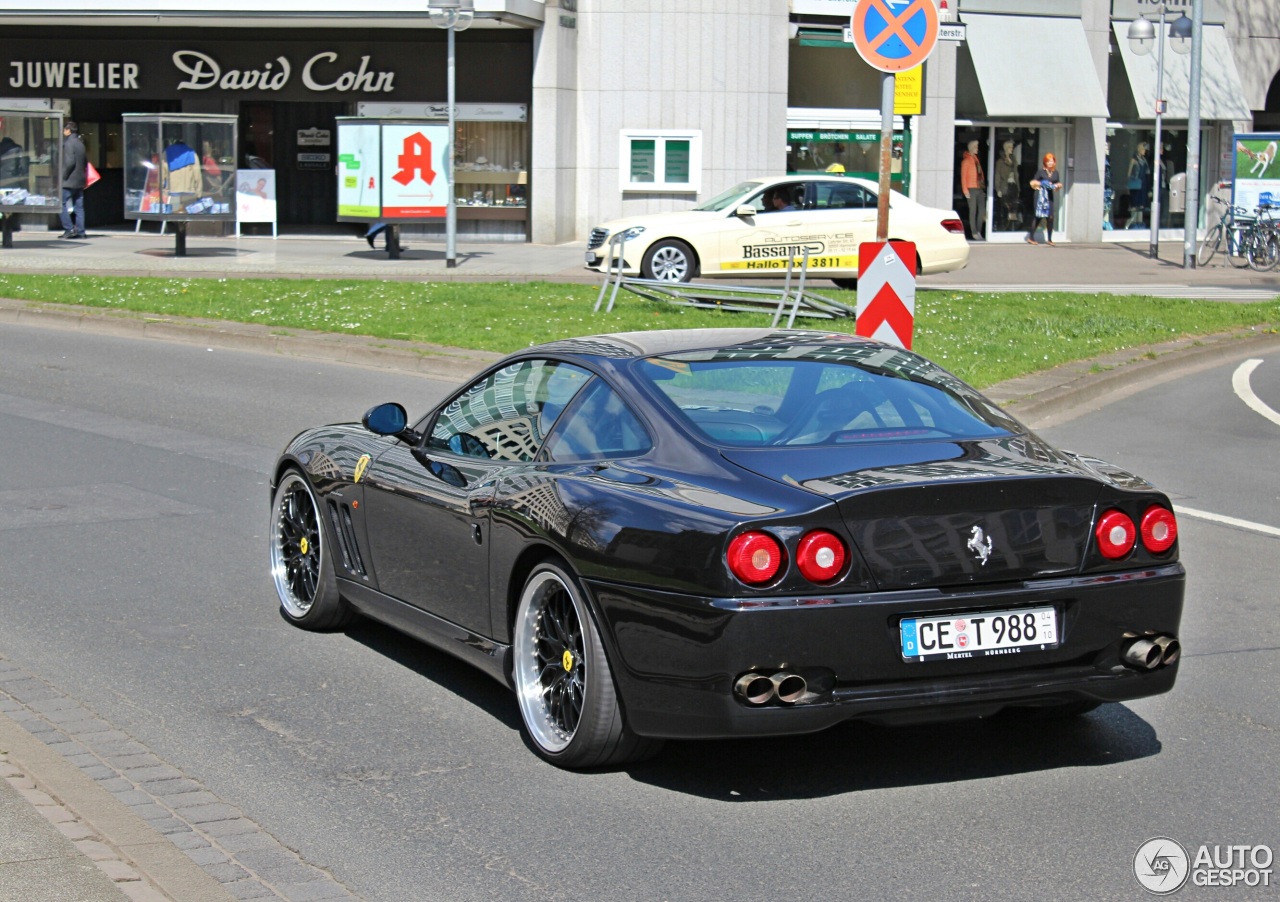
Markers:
<point>893,35</point>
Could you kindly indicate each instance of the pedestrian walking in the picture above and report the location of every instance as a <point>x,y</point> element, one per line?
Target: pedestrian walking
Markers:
<point>75,178</point>
<point>1047,181</point>
<point>973,183</point>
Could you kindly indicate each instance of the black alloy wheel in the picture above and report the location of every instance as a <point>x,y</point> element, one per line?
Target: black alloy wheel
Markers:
<point>565,688</point>
<point>300,564</point>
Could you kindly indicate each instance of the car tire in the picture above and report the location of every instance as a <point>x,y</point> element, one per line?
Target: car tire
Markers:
<point>301,566</point>
<point>846,284</point>
<point>669,260</point>
<point>563,682</point>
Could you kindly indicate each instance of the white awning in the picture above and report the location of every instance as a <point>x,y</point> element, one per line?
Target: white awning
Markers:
<point>1034,66</point>
<point>1221,93</point>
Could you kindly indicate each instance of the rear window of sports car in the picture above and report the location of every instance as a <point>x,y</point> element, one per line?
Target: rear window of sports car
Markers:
<point>840,395</point>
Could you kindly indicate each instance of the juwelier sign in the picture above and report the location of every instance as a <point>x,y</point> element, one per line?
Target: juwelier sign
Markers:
<point>163,69</point>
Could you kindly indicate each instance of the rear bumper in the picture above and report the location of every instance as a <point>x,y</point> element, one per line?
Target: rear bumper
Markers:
<point>675,657</point>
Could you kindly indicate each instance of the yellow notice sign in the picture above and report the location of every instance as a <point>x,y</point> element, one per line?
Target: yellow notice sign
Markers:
<point>908,92</point>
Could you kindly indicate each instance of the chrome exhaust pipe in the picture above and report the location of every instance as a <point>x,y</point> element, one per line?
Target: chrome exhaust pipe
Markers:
<point>1170,649</point>
<point>754,688</point>
<point>789,687</point>
<point>1142,654</point>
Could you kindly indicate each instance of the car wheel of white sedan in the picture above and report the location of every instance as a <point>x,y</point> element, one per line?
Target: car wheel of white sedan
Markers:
<point>670,260</point>
<point>565,688</point>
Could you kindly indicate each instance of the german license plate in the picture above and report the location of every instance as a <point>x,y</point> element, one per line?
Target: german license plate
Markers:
<point>979,635</point>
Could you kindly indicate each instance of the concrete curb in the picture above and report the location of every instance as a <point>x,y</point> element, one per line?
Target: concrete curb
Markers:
<point>403,356</point>
<point>1034,398</point>
<point>143,863</point>
<point>1048,396</point>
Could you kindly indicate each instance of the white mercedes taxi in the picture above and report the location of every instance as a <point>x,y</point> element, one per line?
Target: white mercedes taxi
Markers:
<point>751,230</point>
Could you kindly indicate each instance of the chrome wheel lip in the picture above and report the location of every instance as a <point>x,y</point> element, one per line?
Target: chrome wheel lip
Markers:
<point>297,548</point>
<point>546,690</point>
<point>669,264</point>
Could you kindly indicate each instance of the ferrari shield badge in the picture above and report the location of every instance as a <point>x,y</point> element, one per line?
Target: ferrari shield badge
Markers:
<point>361,465</point>
<point>980,544</point>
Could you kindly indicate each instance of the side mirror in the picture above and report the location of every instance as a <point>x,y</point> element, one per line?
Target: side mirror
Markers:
<point>389,419</point>
<point>745,211</point>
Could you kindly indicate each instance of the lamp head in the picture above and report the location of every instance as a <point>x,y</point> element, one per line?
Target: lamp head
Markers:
<point>454,14</point>
<point>1180,34</point>
<point>1142,36</point>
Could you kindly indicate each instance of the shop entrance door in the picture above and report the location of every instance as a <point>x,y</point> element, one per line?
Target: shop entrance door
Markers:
<point>306,189</point>
<point>1011,154</point>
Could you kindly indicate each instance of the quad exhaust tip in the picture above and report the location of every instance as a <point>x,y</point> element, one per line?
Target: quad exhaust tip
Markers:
<point>1150,652</point>
<point>759,689</point>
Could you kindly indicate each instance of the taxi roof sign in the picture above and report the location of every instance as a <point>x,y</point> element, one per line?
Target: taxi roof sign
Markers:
<point>893,35</point>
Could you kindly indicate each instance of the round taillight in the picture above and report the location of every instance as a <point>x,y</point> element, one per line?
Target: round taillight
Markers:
<point>1116,534</point>
<point>821,556</point>
<point>1159,529</point>
<point>754,557</point>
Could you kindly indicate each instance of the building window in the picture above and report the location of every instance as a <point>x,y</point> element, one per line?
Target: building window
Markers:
<point>654,160</point>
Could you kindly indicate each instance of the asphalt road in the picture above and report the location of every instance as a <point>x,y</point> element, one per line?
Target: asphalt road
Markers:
<point>134,580</point>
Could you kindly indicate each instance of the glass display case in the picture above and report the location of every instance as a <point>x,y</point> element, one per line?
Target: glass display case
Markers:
<point>489,170</point>
<point>30,161</point>
<point>179,166</point>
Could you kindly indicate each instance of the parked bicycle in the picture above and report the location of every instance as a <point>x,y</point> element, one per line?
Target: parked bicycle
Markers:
<point>1228,235</point>
<point>1263,249</point>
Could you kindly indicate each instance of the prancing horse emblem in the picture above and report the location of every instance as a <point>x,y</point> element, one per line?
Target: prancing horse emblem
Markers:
<point>980,544</point>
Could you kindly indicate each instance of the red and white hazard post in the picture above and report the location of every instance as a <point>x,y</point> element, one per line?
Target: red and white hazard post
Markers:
<point>887,291</point>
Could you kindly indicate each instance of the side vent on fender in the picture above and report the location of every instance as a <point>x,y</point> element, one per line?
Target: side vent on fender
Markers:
<point>340,514</point>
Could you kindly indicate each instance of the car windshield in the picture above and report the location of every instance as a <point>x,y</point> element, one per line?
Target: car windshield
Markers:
<point>727,199</point>
<point>839,394</point>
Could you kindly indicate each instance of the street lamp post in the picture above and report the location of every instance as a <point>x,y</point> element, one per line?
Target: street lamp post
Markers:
<point>1141,34</point>
<point>1195,45</point>
<point>452,16</point>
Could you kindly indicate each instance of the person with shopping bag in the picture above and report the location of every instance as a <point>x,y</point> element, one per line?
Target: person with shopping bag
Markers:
<point>1047,181</point>
<point>75,178</point>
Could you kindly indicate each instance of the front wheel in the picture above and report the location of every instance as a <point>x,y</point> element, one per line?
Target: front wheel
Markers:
<point>563,682</point>
<point>301,566</point>
<point>669,260</point>
<point>1209,246</point>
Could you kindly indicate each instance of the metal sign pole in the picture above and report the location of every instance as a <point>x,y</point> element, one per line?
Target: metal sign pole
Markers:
<point>886,154</point>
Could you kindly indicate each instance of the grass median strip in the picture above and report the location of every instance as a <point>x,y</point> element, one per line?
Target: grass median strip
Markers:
<point>983,338</point>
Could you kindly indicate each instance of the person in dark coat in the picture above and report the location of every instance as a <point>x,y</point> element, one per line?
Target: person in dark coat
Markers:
<point>75,176</point>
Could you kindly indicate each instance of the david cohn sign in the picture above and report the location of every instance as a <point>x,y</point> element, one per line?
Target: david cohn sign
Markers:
<point>318,74</point>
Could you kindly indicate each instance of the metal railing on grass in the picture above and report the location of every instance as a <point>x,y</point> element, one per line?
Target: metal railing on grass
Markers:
<point>739,298</point>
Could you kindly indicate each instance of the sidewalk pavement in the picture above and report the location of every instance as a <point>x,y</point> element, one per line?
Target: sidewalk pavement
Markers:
<point>52,857</point>
<point>1120,268</point>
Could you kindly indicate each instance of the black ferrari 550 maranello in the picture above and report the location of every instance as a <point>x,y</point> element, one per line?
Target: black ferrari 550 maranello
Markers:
<point>712,533</point>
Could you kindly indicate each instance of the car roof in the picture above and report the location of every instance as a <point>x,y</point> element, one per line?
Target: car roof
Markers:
<point>676,341</point>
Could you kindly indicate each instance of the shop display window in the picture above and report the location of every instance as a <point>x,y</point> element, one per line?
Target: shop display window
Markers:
<point>383,164</point>
<point>179,166</point>
<point>1130,179</point>
<point>30,161</point>
<point>848,152</point>
<point>490,166</point>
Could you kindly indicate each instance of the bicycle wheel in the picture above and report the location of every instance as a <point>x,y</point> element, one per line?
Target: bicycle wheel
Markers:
<point>1263,251</point>
<point>1209,246</point>
<point>1237,249</point>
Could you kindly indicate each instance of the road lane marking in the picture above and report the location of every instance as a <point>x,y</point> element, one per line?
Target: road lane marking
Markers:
<point>1240,382</point>
<point>1228,521</point>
